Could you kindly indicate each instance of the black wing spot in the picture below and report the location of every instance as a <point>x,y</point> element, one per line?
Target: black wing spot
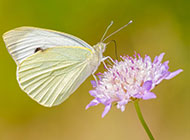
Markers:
<point>38,49</point>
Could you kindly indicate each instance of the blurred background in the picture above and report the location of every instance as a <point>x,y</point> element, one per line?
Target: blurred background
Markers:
<point>158,26</point>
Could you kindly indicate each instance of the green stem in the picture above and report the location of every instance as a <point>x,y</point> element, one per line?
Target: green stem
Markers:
<point>142,120</point>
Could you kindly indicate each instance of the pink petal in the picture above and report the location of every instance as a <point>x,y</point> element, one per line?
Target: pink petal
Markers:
<point>99,73</point>
<point>106,110</point>
<point>92,103</point>
<point>122,108</point>
<point>149,95</point>
<point>139,96</point>
<point>147,59</point>
<point>155,60</point>
<point>93,82</point>
<point>147,85</point>
<point>173,74</point>
<point>160,57</point>
<point>92,92</point>
<point>165,66</point>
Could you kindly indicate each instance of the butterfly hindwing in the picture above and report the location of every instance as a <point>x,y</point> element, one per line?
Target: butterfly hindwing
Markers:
<point>52,75</point>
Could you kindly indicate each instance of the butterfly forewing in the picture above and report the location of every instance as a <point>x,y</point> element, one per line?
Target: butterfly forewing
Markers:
<point>22,42</point>
<point>51,76</point>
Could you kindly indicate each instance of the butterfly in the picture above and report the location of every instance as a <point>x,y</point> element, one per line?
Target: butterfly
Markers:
<point>51,65</point>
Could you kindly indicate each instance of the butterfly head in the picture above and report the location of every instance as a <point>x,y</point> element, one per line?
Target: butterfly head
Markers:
<point>100,47</point>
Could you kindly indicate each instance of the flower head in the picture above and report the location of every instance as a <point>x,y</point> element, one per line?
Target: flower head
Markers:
<point>130,79</point>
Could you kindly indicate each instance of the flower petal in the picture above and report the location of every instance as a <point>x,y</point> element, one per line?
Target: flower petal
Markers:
<point>166,65</point>
<point>99,73</point>
<point>93,92</point>
<point>139,96</point>
<point>149,95</point>
<point>121,104</point>
<point>122,108</point>
<point>160,57</point>
<point>93,82</point>
<point>155,60</point>
<point>147,85</point>
<point>106,110</point>
<point>147,59</point>
<point>173,74</point>
<point>92,103</point>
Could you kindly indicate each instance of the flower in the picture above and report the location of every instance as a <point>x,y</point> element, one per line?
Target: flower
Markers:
<point>130,79</point>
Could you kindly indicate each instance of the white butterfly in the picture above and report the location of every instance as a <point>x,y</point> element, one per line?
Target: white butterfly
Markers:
<point>52,65</point>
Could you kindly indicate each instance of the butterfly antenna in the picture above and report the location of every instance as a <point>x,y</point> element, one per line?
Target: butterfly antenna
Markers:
<point>115,49</point>
<point>106,31</point>
<point>116,30</point>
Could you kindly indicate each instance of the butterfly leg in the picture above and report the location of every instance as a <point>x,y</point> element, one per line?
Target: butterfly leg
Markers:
<point>105,65</point>
<point>105,58</point>
<point>108,57</point>
<point>95,78</point>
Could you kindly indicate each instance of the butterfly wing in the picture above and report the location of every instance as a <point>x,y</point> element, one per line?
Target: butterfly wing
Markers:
<point>51,76</point>
<point>23,41</point>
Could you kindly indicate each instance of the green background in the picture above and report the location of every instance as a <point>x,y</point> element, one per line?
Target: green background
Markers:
<point>158,26</point>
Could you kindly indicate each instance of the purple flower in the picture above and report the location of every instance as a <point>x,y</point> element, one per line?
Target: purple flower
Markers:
<point>130,79</point>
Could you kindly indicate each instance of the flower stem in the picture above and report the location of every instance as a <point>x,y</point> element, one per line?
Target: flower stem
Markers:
<point>142,120</point>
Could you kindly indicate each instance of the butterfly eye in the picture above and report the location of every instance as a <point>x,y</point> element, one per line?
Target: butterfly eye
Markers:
<point>38,49</point>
